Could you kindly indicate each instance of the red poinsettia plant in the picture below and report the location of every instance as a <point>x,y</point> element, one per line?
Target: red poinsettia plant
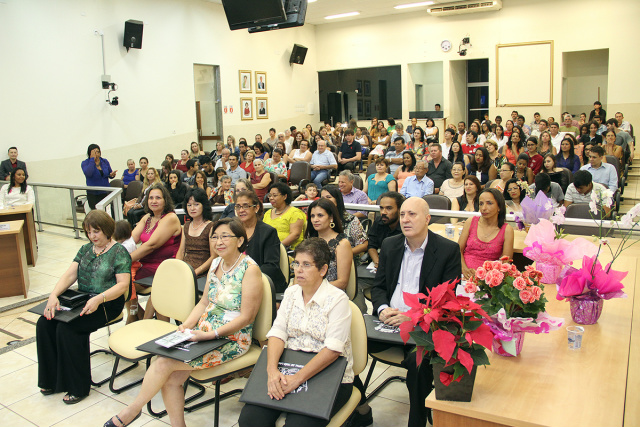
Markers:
<point>450,330</point>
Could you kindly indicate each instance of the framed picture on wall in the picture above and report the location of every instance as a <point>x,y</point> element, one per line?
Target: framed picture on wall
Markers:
<point>360,109</point>
<point>359,87</point>
<point>261,82</point>
<point>367,109</point>
<point>262,108</point>
<point>245,81</point>
<point>246,108</point>
<point>367,88</point>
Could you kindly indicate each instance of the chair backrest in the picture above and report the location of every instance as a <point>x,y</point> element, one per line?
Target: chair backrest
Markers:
<point>613,160</point>
<point>437,201</point>
<point>264,318</point>
<point>284,263</point>
<point>358,339</point>
<point>357,182</point>
<point>174,290</point>
<point>371,169</point>
<point>134,189</point>
<point>117,183</point>
<point>300,171</point>
<point>488,183</point>
<point>352,284</point>
<point>583,211</point>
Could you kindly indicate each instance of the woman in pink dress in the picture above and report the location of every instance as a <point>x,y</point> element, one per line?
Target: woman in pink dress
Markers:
<point>160,233</point>
<point>488,237</point>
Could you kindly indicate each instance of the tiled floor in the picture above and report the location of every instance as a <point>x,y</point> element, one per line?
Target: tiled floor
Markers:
<point>21,404</point>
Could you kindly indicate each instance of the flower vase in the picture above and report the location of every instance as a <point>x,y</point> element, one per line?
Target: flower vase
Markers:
<point>550,272</point>
<point>456,391</point>
<point>586,311</point>
<point>498,347</point>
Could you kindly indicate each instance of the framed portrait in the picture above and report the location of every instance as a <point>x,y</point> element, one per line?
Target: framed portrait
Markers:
<point>367,88</point>
<point>359,87</point>
<point>245,81</point>
<point>360,109</point>
<point>261,82</point>
<point>246,108</point>
<point>262,108</point>
<point>367,109</point>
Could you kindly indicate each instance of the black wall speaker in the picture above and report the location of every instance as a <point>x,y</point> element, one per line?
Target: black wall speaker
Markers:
<point>298,54</point>
<point>133,34</point>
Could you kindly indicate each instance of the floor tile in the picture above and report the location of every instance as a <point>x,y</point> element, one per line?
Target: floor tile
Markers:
<point>395,390</point>
<point>19,385</point>
<point>30,351</point>
<point>12,361</point>
<point>98,414</point>
<point>9,418</point>
<point>389,413</point>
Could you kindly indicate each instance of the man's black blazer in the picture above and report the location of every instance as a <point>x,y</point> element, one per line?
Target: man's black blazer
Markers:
<point>6,168</point>
<point>441,263</point>
<point>264,249</point>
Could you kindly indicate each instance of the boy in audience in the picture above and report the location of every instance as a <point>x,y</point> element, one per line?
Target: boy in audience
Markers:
<point>602,128</point>
<point>7,166</point>
<point>550,189</point>
<point>310,193</point>
<point>471,144</point>
<point>243,147</point>
<point>190,176</point>
<point>579,191</point>
<point>536,122</point>
<point>602,173</point>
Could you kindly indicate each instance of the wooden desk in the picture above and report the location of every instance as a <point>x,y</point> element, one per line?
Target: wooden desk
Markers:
<point>13,267</point>
<point>550,385</point>
<point>24,213</point>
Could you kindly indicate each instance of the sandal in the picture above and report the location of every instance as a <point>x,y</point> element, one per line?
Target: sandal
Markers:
<point>110,423</point>
<point>70,399</point>
<point>46,391</point>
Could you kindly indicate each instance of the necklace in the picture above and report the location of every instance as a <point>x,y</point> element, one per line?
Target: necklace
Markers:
<point>148,226</point>
<point>275,211</point>
<point>101,252</point>
<point>232,267</point>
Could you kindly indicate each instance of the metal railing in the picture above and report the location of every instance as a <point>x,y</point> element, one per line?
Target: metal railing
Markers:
<point>111,203</point>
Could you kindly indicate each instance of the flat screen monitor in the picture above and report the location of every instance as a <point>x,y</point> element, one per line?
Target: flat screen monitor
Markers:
<point>251,13</point>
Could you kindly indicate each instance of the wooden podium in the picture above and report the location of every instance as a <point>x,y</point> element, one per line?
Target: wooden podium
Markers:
<point>13,268</point>
<point>24,213</point>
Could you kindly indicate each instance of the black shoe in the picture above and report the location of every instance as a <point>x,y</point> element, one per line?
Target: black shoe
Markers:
<point>360,420</point>
<point>110,423</point>
<point>70,399</point>
<point>46,391</point>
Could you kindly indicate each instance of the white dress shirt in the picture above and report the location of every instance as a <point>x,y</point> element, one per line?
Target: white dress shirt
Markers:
<point>409,278</point>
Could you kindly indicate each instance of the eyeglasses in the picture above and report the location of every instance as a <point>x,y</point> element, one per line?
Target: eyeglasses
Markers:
<point>304,265</point>
<point>244,207</point>
<point>273,195</point>
<point>223,237</point>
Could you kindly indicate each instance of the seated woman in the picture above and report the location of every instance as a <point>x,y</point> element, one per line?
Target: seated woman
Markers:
<point>165,170</point>
<point>496,158</point>
<point>169,157</point>
<point>16,192</point>
<point>514,146</point>
<point>260,151</point>
<point>380,143</point>
<point>182,163</point>
<point>324,222</point>
<point>260,179</point>
<point>160,233</point>
<point>130,173</point>
<point>324,330</point>
<point>196,249</point>
<point>201,183</point>
<point>545,146</point>
<point>102,267</point>
<point>287,219</point>
<point>431,131</point>
<point>499,136</point>
<point>227,309</point>
<point>488,237</point>
<point>523,171</point>
<point>195,151</point>
<point>224,193</point>
<point>454,186</point>
<point>507,171</point>
<point>456,154</point>
<point>134,209</point>
<point>379,182</point>
<point>406,170</point>
<point>276,165</point>
<point>535,159</point>
<point>481,166</point>
<point>469,201</point>
<point>567,158</point>
<point>247,165</point>
<point>243,184</point>
<point>177,190</point>
<point>513,195</point>
<point>262,238</point>
<point>555,173</point>
<point>350,223</point>
<point>302,154</point>
<point>285,156</point>
<point>610,147</point>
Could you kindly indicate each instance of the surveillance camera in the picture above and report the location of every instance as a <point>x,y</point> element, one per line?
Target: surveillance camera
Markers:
<point>463,52</point>
<point>106,79</point>
<point>114,101</point>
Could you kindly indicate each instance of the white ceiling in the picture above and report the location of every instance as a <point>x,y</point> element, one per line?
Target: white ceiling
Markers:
<point>317,10</point>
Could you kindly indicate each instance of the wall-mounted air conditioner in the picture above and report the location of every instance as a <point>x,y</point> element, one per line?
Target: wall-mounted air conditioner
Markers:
<point>464,7</point>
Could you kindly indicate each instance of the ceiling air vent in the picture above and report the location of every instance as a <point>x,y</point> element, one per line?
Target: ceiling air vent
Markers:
<point>465,7</point>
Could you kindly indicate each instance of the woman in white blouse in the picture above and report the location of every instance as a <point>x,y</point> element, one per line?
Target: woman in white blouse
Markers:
<point>301,154</point>
<point>315,317</point>
<point>17,192</point>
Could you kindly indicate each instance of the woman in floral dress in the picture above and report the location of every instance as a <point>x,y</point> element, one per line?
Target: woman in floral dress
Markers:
<point>227,309</point>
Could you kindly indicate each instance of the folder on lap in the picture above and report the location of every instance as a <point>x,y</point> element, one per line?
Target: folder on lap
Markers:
<point>314,397</point>
<point>378,331</point>
<point>72,303</point>
<point>184,352</point>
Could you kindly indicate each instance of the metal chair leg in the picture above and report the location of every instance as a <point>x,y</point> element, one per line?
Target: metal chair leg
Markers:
<point>115,374</point>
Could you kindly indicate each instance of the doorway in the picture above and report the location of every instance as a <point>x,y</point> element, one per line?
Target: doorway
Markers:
<point>585,77</point>
<point>206,79</point>
<point>477,89</point>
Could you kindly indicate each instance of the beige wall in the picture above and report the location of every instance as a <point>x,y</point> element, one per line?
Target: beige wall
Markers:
<point>574,25</point>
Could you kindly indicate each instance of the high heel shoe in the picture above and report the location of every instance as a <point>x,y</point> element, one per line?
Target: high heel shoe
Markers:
<point>110,423</point>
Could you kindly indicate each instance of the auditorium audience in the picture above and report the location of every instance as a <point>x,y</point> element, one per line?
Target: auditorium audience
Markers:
<point>535,159</point>
<point>260,179</point>
<point>610,147</point>
<point>488,237</point>
<point>7,166</point>
<point>189,177</point>
<point>276,165</point>
<point>301,154</point>
<point>438,169</point>
<point>165,169</point>
<point>97,172</point>
<point>16,192</point>
<point>579,191</point>
<point>494,154</point>
<point>196,249</point>
<point>177,190</point>
<point>351,194</point>
<point>456,154</point>
<point>243,184</point>
<point>449,137</point>
<point>513,195</point>
<point>323,220</point>
<point>598,111</point>
<point>514,146</point>
<point>545,146</point>
<point>286,219</point>
<point>407,168</point>
<point>550,189</point>
<point>235,171</point>
<point>224,193</point>
<point>396,157</point>
<point>471,144</point>
<point>602,173</point>
<point>593,135</point>
<point>200,181</point>
<point>379,182</point>
<point>195,151</point>
<point>223,161</point>
<point>470,199</point>
<point>397,131</point>
<point>350,152</point>
<point>454,186</point>
<point>499,136</point>
<point>260,151</point>
<point>567,125</point>
<point>217,154</point>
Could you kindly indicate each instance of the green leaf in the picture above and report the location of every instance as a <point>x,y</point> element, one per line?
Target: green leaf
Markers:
<point>479,357</point>
<point>472,325</point>
<point>458,370</point>
<point>422,340</point>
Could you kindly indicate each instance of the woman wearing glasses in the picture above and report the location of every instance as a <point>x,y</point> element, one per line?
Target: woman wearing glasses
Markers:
<point>287,219</point>
<point>262,238</point>
<point>228,307</point>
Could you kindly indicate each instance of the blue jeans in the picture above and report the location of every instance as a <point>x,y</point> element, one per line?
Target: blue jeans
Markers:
<point>318,176</point>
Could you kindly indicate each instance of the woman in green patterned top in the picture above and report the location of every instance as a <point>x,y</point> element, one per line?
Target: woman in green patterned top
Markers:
<point>228,307</point>
<point>103,268</point>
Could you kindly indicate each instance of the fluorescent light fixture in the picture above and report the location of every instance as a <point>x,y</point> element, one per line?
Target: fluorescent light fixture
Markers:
<point>406,6</point>
<point>342,15</point>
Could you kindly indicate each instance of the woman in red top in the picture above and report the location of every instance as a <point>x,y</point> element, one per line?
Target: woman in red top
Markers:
<point>247,165</point>
<point>535,160</point>
<point>514,146</point>
<point>182,163</point>
<point>261,179</point>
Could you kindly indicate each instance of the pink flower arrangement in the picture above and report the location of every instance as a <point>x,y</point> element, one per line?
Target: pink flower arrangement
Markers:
<point>544,246</point>
<point>591,281</point>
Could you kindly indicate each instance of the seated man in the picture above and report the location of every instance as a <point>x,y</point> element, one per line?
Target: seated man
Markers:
<point>190,175</point>
<point>235,171</point>
<point>602,173</point>
<point>567,125</point>
<point>400,133</point>
<point>525,128</point>
<point>550,189</point>
<point>209,170</point>
<point>7,166</point>
<point>350,152</point>
<point>223,161</point>
<point>471,144</point>
<point>351,194</point>
<point>321,163</point>
<point>622,123</point>
<point>623,139</point>
<point>439,168</point>
<point>417,185</point>
<point>395,156</point>
<point>579,191</point>
<point>437,259</point>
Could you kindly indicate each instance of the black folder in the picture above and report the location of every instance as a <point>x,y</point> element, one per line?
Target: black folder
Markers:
<point>315,397</point>
<point>72,303</point>
<point>64,315</point>
<point>378,331</point>
<point>148,281</point>
<point>184,352</point>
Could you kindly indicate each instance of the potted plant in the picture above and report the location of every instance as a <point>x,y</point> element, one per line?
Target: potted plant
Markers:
<point>451,336</point>
<point>514,302</point>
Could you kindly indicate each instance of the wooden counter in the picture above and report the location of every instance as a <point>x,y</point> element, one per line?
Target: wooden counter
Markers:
<point>550,385</point>
<point>13,265</point>
<point>24,213</point>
